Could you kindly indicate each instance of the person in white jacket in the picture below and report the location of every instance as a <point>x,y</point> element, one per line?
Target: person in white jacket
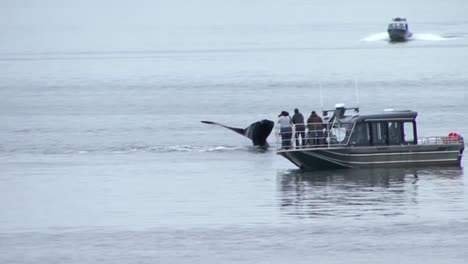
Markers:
<point>285,123</point>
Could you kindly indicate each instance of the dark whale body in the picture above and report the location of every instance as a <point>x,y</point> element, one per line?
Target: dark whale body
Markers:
<point>258,132</point>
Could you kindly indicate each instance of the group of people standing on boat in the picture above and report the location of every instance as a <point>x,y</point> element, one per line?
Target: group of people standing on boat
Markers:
<point>316,129</point>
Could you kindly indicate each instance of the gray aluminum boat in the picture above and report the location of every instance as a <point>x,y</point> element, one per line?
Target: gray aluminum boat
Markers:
<point>387,139</point>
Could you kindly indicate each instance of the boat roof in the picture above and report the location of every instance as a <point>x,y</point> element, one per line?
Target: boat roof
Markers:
<point>399,19</point>
<point>402,115</point>
<point>386,115</point>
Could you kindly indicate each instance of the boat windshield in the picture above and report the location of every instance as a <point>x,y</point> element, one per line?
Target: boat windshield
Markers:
<point>402,26</point>
<point>339,133</point>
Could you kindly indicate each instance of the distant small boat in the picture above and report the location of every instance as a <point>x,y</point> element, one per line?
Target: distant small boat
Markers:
<point>398,29</point>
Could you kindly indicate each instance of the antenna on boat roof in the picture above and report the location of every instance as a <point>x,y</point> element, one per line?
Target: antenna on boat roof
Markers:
<point>321,99</point>
<point>357,95</point>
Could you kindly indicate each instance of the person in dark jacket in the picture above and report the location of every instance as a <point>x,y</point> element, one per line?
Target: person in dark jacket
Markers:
<point>298,121</point>
<point>315,126</point>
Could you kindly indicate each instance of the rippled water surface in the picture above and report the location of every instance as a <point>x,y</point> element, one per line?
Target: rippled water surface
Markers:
<point>103,158</point>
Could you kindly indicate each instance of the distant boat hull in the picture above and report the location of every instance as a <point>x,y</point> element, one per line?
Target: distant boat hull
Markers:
<point>323,158</point>
<point>399,34</point>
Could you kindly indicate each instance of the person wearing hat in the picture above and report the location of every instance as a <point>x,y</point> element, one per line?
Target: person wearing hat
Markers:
<point>284,121</point>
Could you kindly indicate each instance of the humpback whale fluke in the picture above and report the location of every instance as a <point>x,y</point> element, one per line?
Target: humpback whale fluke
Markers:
<point>258,132</point>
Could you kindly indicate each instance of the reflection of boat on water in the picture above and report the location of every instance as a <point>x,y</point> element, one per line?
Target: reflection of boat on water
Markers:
<point>358,193</point>
<point>372,177</point>
<point>387,139</point>
<point>346,193</point>
<point>398,29</point>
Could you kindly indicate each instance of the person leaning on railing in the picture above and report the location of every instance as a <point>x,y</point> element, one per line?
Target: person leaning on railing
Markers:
<point>298,121</point>
<point>315,126</point>
<point>285,124</point>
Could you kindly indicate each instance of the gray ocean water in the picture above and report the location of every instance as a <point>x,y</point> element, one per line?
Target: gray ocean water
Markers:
<point>103,158</point>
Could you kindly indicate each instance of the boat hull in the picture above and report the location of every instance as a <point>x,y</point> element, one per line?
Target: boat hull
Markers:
<point>399,34</point>
<point>374,157</point>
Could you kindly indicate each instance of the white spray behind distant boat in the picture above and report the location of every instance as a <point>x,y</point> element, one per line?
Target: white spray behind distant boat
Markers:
<point>416,36</point>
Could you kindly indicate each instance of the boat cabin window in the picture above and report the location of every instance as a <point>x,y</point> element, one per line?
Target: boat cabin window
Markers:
<point>340,132</point>
<point>361,135</point>
<point>395,133</point>
<point>379,133</point>
<point>409,132</point>
<point>401,26</point>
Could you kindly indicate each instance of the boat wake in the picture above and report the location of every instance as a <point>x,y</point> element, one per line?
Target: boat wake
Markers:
<point>416,36</point>
<point>176,148</point>
<point>376,37</point>
<point>126,150</point>
<point>428,36</point>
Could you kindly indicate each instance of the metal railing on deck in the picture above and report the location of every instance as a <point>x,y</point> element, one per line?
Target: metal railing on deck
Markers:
<point>313,135</point>
<point>335,135</point>
<point>438,140</point>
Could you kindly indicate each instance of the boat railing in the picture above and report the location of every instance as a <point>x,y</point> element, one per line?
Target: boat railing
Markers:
<point>313,135</point>
<point>332,135</point>
<point>439,140</point>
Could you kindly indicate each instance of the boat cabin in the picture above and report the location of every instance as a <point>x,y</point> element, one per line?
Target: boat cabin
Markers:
<point>391,127</point>
<point>398,24</point>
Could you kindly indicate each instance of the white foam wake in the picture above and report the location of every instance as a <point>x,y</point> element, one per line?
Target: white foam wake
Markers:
<point>416,36</point>
<point>376,37</point>
<point>428,36</point>
<point>185,148</point>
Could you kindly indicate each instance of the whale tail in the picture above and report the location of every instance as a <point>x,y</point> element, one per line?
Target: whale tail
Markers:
<point>258,132</point>
<point>235,129</point>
